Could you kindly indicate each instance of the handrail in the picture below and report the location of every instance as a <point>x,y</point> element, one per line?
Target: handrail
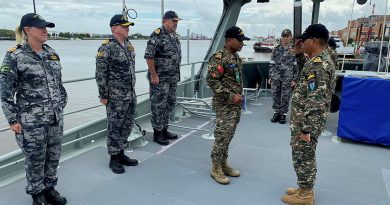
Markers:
<point>92,78</point>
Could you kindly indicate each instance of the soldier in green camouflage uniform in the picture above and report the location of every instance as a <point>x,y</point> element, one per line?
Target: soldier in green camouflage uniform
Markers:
<point>332,52</point>
<point>33,100</point>
<point>115,78</point>
<point>225,79</point>
<point>309,111</point>
<point>163,56</point>
<point>283,75</point>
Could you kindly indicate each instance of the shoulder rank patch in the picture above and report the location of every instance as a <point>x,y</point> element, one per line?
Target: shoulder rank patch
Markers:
<point>5,68</point>
<point>54,57</point>
<point>317,60</point>
<point>12,49</point>
<point>218,56</point>
<point>105,42</point>
<point>157,31</point>
<point>100,54</point>
<point>130,47</point>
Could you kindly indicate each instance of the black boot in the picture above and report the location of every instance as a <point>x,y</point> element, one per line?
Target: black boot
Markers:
<point>276,117</point>
<point>53,197</point>
<point>168,135</point>
<point>115,165</point>
<point>39,199</point>
<point>159,138</point>
<point>282,119</point>
<point>125,160</point>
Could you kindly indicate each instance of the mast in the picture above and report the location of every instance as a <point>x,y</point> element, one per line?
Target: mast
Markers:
<point>297,17</point>
<point>35,11</point>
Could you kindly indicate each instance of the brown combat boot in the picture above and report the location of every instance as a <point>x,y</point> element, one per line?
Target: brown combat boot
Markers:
<point>291,191</point>
<point>228,170</point>
<point>301,197</point>
<point>217,174</point>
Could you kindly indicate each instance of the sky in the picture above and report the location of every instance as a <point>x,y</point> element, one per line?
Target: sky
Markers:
<point>200,16</point>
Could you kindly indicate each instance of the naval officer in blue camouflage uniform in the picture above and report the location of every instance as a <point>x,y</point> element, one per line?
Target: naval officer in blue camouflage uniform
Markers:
<point>115,78</point>
<point>311,100</point>
<point>225,79</point>
<point>163,56</point>
<point>33,100</point>
<point>283,74</point>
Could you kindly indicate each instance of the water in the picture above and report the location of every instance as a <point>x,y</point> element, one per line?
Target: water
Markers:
<point>78,61</point>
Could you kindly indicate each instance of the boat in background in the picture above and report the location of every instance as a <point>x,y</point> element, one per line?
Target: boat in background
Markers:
<point>265,45</point>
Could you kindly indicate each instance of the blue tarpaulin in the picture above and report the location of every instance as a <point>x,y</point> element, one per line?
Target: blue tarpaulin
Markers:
<point>365,110</point>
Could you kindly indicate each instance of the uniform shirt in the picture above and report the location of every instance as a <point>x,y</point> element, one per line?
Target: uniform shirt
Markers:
<point>312,94</point>
<point>115,70</point>
<point>283,65</point>
<point>225,75</point>
<point>36,82</point>
<point>333,55</point>
<point>165,50</point>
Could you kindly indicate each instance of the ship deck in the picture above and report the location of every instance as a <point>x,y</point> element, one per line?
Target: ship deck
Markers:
<point>349,173</point>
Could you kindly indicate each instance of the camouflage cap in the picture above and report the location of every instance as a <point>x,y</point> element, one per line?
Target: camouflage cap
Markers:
<point>34,20</point>
<point>120,19</point>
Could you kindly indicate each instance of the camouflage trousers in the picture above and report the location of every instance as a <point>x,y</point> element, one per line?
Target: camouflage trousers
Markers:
<point>41,145</point>
<point>281,93</point>
<point>163,101</point>
<point>228,116</point>
<point>120,119</point>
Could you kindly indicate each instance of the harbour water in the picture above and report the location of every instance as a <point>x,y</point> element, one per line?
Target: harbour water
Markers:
<point>78,61</point>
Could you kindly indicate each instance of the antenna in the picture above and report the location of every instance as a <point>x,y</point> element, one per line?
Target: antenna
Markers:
<point>35,11</point>
<point>125,11</point>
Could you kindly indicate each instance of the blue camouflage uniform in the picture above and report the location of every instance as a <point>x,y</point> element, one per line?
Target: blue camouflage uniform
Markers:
<point>165,50</point>
<point>283,70</point>
<point>115,78</point>
<point>35,81</point>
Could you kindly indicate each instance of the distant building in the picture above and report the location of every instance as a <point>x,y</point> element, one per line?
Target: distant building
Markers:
<point>363,24</point>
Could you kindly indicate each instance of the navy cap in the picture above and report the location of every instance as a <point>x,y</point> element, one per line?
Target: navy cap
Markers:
<point>237,33</point>
<point>286,32</point>
<point>120,19</point>
<point>34,20</point>
<point>316,31</point>
<point>171,15</point>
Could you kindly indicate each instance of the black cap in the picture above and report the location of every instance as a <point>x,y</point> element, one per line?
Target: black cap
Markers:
<point>286,32</point>
<point>171,15</point>
<point>34,20</point>
<point>332,43</point>
<point>316,31</point>
<point>120,19</point>
<point>235,32</point>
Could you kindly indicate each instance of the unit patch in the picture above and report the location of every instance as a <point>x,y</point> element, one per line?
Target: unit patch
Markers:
<point>54,57</point>
<point>311,78</point>
<point>317,60</point>
<point>157,31</point>
<point>100,54</point>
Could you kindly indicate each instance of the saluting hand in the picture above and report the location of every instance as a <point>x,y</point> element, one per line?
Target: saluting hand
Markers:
<point>154,79</point>
<point>17,128</point>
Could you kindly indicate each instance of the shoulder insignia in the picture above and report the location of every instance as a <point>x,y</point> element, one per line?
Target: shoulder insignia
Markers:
<point>12,49</point>
<point>317,60</point>
<point>311,80</point>
<point>218,55</point>
<point>130,47</point>
<point>157,31</point>
<point>105,42</point>
<point>54,57</point>
<point>100,54</point>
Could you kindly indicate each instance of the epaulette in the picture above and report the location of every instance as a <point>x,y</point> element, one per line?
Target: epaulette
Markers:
<point>11,50</point>
<point>318,59</point>
<point>105,42</point>
<point>157,31</point>
<point>218,55</point>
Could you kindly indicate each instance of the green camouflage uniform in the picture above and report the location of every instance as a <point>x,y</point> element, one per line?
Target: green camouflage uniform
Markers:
<point>225,79</point>
<point>309,111</point>
<point>333,56</point>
